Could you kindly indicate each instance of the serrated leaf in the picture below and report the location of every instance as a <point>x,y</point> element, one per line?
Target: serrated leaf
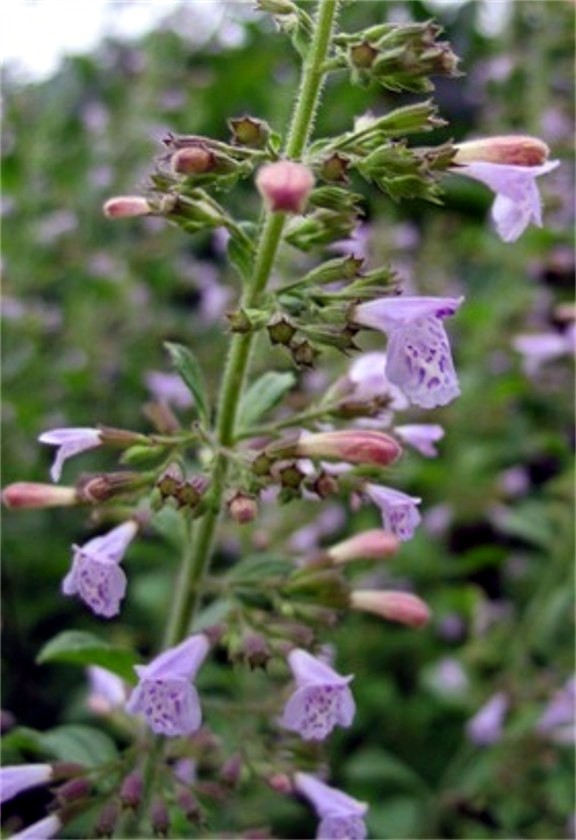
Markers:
<point>189,369</point>
<point>79,648</point>
<point>79,744</point>
<point>265,393</point>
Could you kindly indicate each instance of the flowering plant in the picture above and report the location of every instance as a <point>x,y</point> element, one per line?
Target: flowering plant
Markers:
<point>226,451</point>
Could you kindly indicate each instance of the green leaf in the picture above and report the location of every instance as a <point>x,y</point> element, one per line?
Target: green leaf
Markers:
<point>262,395</point>
<point>187,366</point>
<point>79,648</point>
<point>82,744</point>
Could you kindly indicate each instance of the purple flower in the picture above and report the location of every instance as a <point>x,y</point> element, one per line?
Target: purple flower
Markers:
<point>369,382</point>
<point>421,436</point>
<point>399,512</point>
<point>557,719</point>
<point>69,442</point>
<point>517,202</point>
<point>485,728</point>
<point>15,779</point>
<point>419,359</point>
<point>539,348</point>
<point>341,816</point>
<point>41,830</point>
<point>96,575</point>
<point>322,699</point>
<point>168,388</point>
<point>107,690</point>
<point>165,694</point>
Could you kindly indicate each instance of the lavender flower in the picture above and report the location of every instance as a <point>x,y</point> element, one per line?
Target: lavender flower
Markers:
<point>15,779</point>
<point>168,388</point>
<point>539,348</point>
<point>95,574</point>
<point>517,202</point>
<point>419,360</point>
<point>399,512</point>
<point>558,718</point>
<point>485,728</point>
<point>369,382</point>
<point>107,690</point>
<point>421,436</point>
<point>165,695</point>
<point>69,442</point>
<point>322,699</point>
<point>41,830</point>
<point>341,816</point>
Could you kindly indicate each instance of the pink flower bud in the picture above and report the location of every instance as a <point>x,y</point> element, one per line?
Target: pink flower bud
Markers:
<point>358,446</point>
<point>193,160</point>
<point>516,150</point>
<point>374,544</point>
<point>243,508</point>
<point>285,186</point>
<point>126,206</point>
<point>29,494</point>
<point>402,607</point>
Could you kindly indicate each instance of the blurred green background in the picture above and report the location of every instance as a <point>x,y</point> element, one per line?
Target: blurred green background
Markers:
<point>87,304</point>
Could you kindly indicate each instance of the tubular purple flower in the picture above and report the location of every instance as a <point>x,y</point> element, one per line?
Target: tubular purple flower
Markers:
<point>41,830</point>
<point>107,690</point>
<point>69,442</point>
<point>399,512</point>
<point>285,186</point>
<point>419,359</point>
<point>369,381</point>
<point>517,202</point>
<point>95,574</point>
<point>341,816</point>
<point>322,699</point>
<point>15,779</point>
<point>485,728</point>
<point>165,694</point>
<point>421,436</point>
<point>357,446</point>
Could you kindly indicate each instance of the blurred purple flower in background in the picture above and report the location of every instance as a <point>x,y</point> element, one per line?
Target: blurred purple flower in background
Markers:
<point>107,691</point>
<point>341,816</point>
<point>421,436</point>
<point>486,727</point>
<point>558,719</point>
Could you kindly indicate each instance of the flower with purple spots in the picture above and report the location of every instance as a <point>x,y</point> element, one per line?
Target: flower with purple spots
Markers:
<point>165,694</point>
<point>69,442</point>
<point>399,511</point>
<point>341,816</point>
<point>322,699</point>
<point>419,359</point>
<point>96,575</point>
<point>421,436</point>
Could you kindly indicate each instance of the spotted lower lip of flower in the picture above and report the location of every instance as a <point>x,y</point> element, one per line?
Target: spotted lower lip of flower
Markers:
<point>69,442</point>
<point>341,816</point>
<point>95,574</point>
<point>399,511</point>
<point>321,701</point>
<point>358,446</point>
<point>165,694</point>
<point>418,359</point>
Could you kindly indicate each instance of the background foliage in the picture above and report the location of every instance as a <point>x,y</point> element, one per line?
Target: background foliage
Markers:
<point>88,304</point>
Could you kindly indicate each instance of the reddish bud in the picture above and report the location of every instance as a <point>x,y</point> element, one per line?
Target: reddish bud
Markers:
<point>126,206</point>
<point>402,607</point>
<point>131,790</point>
<point>243,508</point>
<point>29,494</point>
<point>107,819</point>
<point>231,770</point>
<point>193,160</point>
<point>373,545</point>
<point>510,150</point>
<point>359,446</point>
<point>285,186</point>
<point>159,818</point>
<point>280,782</point>
<point>75,789</point>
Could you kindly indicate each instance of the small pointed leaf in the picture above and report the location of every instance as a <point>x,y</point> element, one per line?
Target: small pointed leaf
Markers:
<point>187,366</point>
<point>265,393</point>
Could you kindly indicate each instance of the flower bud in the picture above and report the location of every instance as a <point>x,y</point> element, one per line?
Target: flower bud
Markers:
<point>131,790</point>
<point>99,488</point>
<point>29,494</point>
<point>72,790</point>
<point>189,805</point>
<point>248,131</point>
<point>285,186</point>
<point>159,818</point>
<point>193,160</point>
<point>231,770</point>
<point>243,508</point>
<point>280,783</point>
<point>126,206</point>
<point>402,607</point>
<point>510,150</point>
<point>107,819</point>
<point>374,545</point>
<point>358,446</point>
